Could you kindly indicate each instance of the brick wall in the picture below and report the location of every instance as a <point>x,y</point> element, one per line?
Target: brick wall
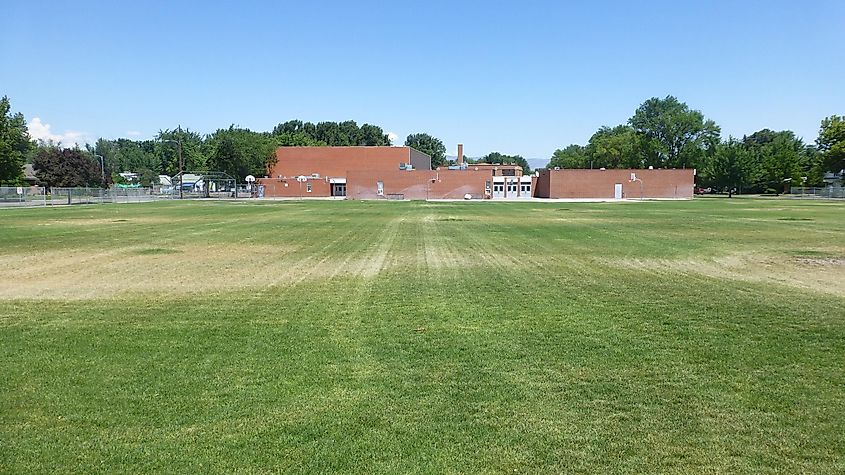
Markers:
<point>417,184</point>
<point>573,183</point>
<point>336,161</point>
<point>274,187</point>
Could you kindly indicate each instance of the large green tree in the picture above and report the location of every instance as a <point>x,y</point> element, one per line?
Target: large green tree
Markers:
<point>292,127</point>
<point>334,134</point>
<point>372,135</point>
<point>573,156</point>
<point>168,152</point>
<point>782,162</point>
<point>778,155</point>
<point>344,133</point>
<point>731,167</point>
<point>240,152</point>
<point>673,135</point>
<point>429,145</point>
<point>295,139</point>
<point>812,161</point>
<point>124,155</point>
<point>15,144</point>
<point>831,143</point>
<point>500,158</point>
<point>616,147</point>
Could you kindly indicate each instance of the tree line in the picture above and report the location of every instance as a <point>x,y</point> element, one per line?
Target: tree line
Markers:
<point>662,133</point>
<point>233,150</point>
<point>437,151</point>
<point>667,133</point>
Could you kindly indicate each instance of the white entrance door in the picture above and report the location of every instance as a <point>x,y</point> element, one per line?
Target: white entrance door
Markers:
<point>513,187</point>
<point>617,191</point>
<point>498,190</point>
<point>525,189</point>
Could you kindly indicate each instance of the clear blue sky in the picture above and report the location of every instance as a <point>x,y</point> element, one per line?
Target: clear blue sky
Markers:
<point>521,77</point>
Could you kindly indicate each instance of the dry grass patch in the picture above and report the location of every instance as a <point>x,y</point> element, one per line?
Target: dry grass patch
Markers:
<point>106,221</point>
<point>815,274</point>
<point>75,274</point>
<point>81,274</point>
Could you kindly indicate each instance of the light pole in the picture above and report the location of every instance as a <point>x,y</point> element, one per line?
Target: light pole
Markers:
<point>181,164</point>
<point>102,168</point>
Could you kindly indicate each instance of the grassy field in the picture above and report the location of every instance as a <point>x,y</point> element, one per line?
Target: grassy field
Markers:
<point>701,337</point>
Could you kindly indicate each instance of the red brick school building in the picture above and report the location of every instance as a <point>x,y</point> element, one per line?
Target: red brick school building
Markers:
<point>405,173</point>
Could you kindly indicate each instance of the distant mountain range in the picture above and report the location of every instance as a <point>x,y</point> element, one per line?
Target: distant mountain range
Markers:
<point>534,163</point>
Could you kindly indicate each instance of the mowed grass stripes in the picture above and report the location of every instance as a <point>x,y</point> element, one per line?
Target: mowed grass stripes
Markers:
<point>699,336</point>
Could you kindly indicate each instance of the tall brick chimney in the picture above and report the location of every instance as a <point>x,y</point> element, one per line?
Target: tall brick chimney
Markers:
<point>460,154</point>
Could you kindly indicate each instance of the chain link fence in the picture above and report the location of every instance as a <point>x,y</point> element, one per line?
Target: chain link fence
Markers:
<point>827,192</point>
<point>135,195</point>
<point>79,195</point>
<point>22,196</point>
<point>29,196</point>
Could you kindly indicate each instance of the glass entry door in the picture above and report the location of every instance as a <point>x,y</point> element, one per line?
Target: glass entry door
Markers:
<point>338,189</point>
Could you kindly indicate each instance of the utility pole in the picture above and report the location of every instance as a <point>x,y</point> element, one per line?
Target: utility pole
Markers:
<point>102,169</point>
<point>181,163</point>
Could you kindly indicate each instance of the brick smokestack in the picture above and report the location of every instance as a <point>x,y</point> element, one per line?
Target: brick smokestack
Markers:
<point>460,154</point>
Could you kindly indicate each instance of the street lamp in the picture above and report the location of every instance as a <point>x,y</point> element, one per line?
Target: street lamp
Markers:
<point>102,168</point>
<point>181,164</point>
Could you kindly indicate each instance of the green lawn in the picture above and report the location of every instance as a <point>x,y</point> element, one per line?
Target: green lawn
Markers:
<point>371,337</point>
